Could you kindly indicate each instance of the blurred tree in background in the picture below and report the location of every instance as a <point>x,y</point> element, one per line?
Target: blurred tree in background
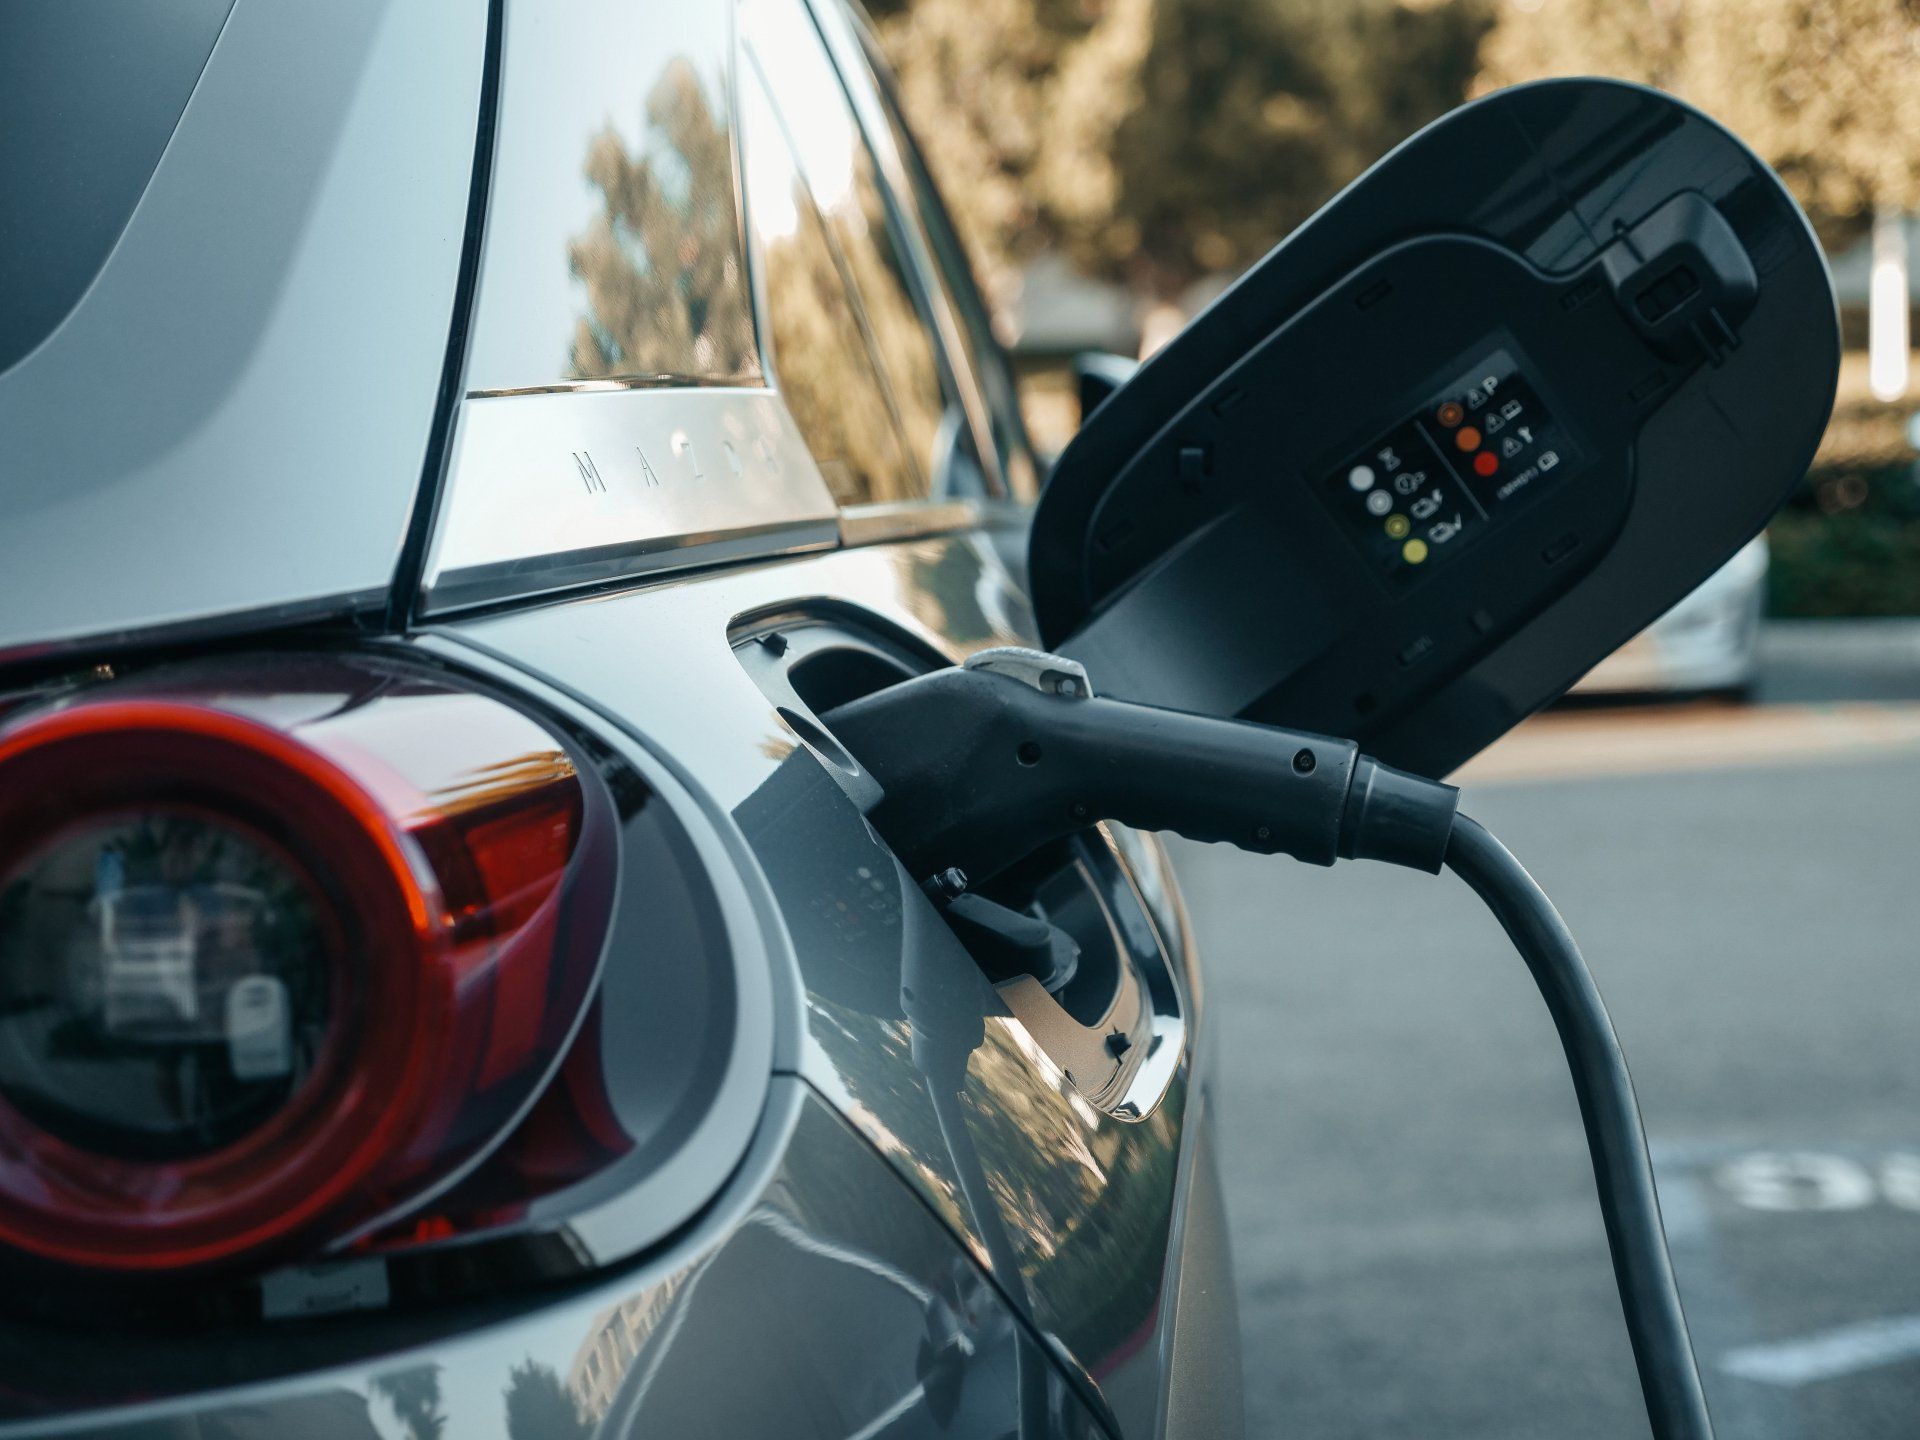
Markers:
<point>1157,143</point>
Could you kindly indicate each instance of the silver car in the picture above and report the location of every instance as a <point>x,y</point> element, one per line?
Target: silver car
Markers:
<point>454,457</point>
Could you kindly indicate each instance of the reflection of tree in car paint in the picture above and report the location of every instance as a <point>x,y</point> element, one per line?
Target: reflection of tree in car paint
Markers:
<point>539,1407</point>
<point>666,294</point>
<point>413,1394</point>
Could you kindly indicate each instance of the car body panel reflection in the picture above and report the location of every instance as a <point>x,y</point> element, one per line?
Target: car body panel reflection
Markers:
<point>901,1336</point>
<point>1082,1201</point>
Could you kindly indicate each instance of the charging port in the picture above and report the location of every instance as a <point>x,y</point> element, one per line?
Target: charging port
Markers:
<point>1062,933</point>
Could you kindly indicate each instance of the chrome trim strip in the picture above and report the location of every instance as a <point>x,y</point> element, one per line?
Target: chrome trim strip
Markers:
<point>906,520</point>
<point>627,382</point>
<point>552,491</point>
<point>545,575</point>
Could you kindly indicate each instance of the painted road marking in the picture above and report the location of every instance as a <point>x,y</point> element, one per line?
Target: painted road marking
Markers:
<point>1569,744</point>
<point>1785,1181</point>
<point>1718,1310</point>
<point>1844,1351</point>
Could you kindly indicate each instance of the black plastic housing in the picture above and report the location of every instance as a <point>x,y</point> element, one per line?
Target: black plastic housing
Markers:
<point>1659,326</point>
<point>979,769</point>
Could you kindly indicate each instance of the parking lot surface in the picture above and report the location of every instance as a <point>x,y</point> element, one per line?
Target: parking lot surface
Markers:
<point>1418,1247</point>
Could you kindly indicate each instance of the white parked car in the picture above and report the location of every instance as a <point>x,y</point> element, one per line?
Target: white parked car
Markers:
<point>1708,642</point>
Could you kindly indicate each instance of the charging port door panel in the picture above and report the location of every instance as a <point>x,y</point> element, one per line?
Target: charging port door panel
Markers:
<point>1500,404</point>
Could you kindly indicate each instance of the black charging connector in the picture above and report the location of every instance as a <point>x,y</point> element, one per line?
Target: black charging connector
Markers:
<point>984,764</point>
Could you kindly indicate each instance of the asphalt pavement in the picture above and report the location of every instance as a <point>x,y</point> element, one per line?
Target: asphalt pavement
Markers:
<point>1418,1248</point>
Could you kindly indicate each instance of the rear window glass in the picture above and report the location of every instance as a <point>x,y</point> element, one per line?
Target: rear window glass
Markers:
<point>614,247</point>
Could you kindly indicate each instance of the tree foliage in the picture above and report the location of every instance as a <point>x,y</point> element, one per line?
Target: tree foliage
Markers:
<point>1156,142</point>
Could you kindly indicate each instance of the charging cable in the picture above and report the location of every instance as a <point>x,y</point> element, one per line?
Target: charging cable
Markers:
<point>983,764</point>
<point>1622,1171</point>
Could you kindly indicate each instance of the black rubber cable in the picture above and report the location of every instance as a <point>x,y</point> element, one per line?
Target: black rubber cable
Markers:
<point>979,765</point>
<point>1669,1376</point>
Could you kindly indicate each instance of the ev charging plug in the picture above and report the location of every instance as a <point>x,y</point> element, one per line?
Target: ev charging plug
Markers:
<point>983,764</point>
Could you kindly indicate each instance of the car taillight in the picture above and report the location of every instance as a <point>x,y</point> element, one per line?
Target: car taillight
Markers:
<point>285,945</point>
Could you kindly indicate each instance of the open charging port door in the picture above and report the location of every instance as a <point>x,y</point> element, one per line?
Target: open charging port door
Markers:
<point>1501,403</point>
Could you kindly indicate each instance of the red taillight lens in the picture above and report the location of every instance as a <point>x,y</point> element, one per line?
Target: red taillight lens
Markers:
<point>283,947</point>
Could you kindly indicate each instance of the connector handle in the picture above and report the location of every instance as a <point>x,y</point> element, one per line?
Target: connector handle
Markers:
<point>980,769</point>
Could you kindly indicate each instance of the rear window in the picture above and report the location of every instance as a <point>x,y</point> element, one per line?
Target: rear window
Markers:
<point>614,250</point>
<point>89,96</point>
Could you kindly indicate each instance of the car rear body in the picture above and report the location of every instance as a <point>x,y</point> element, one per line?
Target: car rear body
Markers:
<point>618,364</point>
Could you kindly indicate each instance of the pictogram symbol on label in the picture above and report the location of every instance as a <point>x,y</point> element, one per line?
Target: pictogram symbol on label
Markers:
<point>1388,460</point>
<point>1493,422</point>
<point>1443,531</point>
<point>1426,506</point>
<point>1548,459</point>
<point>1411,481</point>
<point>1511,447</point>
<point>1510,410</point>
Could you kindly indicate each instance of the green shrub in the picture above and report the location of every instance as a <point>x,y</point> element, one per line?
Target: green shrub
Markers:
<point>1856,562</point>
<point>1848,541</point>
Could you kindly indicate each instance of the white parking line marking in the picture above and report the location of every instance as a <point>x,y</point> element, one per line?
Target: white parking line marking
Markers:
<point>1822,1357</point>
<point>1816,1181</point>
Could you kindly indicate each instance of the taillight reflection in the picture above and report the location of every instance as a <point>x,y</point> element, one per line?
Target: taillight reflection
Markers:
<point>169,983</point>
